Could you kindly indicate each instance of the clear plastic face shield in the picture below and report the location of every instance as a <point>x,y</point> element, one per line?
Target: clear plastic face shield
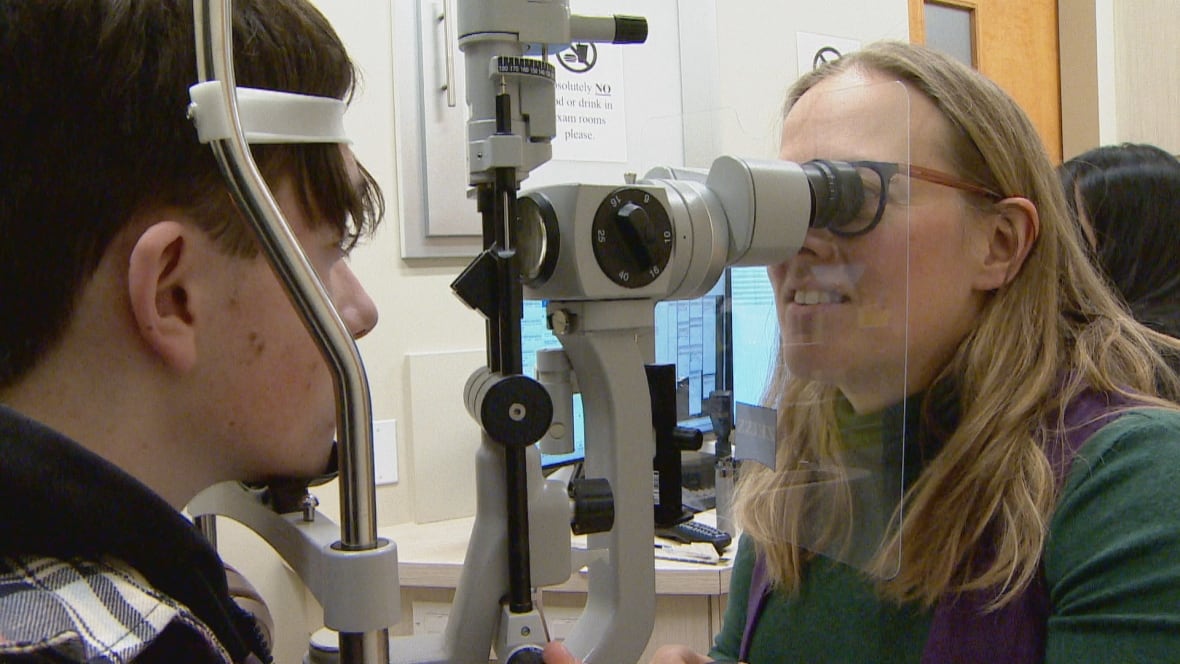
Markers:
<point>843,312</point>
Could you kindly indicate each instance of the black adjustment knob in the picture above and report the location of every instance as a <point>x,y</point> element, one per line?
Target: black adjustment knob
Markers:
<point>637,219</point>
<point>594,505</point>
<point>630,29</point>
<point>687,439</point>
<point>514,410</point>
<point>517,411</point>
<point>525,655</point>
<point>632,237</point>
<point>635,226</point>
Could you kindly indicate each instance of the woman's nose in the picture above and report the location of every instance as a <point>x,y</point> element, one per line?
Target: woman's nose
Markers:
<point>356,308</point>
<point>819,243</point>
<point>818,246</point>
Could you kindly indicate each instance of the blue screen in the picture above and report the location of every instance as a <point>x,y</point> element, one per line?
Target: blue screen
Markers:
<point>688,333</point>
<point>755,333</point>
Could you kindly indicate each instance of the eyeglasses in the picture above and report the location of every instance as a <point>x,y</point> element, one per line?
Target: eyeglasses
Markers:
<point>875,179</point>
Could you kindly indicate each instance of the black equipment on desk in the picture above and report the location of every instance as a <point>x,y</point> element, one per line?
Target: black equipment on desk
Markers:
<point>672,520</point>
<point>671,440</point>
<point>689,532</point>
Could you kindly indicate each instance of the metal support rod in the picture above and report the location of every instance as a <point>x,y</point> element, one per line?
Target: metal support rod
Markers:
<point>214,44</point>
<point>448,20</point>
<point>511,310</point>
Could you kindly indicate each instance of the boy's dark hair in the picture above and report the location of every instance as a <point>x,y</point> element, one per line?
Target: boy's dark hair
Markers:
<point>1130,195</point>
<point>94,133</point>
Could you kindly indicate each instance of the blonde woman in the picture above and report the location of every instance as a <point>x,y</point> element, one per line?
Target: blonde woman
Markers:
<point>960,319</point>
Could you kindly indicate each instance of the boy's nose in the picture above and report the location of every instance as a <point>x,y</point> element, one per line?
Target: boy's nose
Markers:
<point>357,309</point>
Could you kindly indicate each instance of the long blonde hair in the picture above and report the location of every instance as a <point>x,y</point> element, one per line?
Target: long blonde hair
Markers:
<point>1053,331</point>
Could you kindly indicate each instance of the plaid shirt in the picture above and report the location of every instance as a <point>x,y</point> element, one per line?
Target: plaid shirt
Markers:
<point>84,611</point>
<point>94,567</point>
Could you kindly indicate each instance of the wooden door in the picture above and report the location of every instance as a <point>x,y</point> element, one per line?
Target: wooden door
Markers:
<point>1014,43</point>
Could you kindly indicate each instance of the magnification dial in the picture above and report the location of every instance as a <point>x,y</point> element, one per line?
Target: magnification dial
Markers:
<point>632,237</point>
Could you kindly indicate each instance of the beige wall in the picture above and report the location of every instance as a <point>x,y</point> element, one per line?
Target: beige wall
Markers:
<point>1120,73</point>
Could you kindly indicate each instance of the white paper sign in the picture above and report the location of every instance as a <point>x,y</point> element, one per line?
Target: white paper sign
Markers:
<point>815,49</point>
<point>755,434</point>
<point>591,117</point>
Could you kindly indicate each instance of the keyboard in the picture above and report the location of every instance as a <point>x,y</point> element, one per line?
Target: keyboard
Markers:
<point>695,531</point>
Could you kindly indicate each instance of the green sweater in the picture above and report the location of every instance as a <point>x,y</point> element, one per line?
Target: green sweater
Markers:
<point>1112,567</point>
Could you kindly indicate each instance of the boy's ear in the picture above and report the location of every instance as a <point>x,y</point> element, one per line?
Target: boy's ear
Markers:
<point>159,276</point>
<point>1012,231</point>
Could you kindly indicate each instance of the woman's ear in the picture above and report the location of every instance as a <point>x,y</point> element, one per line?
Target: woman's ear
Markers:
<point>1012,230</point>
<point>158,282</point>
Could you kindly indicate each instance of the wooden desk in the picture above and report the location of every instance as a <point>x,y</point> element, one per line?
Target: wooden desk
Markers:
<point>690,597</point>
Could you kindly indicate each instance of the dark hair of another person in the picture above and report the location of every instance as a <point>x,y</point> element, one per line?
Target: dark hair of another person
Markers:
<point>93,101</point>
<point>1129,194</point>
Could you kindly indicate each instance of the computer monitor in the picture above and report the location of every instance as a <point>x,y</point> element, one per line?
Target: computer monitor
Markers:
<point>754,333</point>
<point>692,334</point>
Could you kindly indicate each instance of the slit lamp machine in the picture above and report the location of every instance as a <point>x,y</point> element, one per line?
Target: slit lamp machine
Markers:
<point>601,255</point>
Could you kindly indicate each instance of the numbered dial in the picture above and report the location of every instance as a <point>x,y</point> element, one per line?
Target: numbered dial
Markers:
<point>633,237</point>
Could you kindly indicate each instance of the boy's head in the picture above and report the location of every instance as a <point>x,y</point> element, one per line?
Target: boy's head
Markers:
<point>134,303</point>
<point>96,138</point>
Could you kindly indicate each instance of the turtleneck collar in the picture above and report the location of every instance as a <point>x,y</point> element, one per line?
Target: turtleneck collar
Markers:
<point>914,428</point>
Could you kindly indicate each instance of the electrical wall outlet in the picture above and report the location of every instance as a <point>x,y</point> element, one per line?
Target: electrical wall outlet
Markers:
<point>385,451</point>
<point>430,617</point>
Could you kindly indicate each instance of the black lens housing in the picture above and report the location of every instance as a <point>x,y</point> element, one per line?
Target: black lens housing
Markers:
<point>837,193</point>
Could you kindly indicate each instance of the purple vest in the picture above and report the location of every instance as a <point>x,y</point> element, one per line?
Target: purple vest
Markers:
<point>961,631</point>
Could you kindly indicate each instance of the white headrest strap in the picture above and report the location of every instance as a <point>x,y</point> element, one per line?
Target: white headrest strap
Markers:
<point>268,116</point>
